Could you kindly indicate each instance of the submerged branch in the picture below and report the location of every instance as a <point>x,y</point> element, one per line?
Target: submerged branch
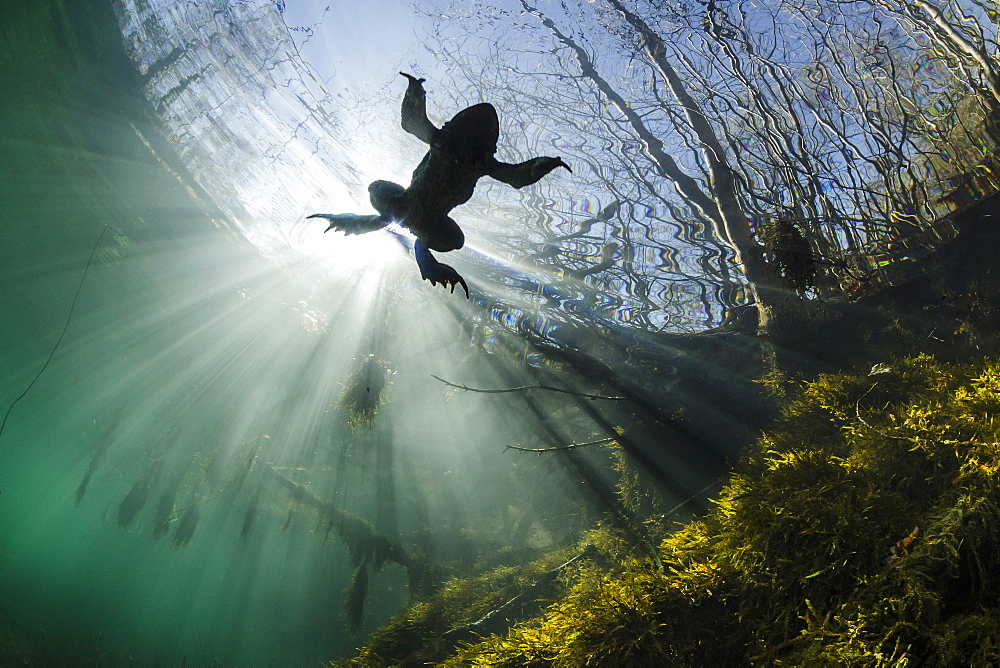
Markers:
<point>523,606</point>
<point>364,543</point>
<point>524,388</point>
<point>857,411</point>
<point>600,441</point>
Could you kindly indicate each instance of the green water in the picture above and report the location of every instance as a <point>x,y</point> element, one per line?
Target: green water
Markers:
<point>223,421</point>
<point>155,301</point>
<point>72,580</point>
<point>185,345</point>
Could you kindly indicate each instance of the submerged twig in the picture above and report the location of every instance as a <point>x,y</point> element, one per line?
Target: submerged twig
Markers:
<point>691,498</point>
<point>62,334</point>
<point>524,388</point>
<point>912,439</point>
<point>857,410</point>
<point>600,441</point>
<point>522,606</point>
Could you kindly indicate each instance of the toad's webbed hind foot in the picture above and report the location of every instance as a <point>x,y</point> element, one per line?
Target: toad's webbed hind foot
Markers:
<point>437,272</point>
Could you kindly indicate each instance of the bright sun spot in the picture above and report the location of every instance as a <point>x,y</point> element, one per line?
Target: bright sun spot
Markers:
<point>351,252</point>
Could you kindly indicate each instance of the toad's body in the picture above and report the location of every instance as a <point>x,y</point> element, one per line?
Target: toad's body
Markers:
<point>460,154</point>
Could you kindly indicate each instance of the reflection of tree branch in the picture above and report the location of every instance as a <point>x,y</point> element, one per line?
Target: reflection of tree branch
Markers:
<point>600,441</point>
<point>524,388</point>
<point>962,46</point>
<point>688,187</point>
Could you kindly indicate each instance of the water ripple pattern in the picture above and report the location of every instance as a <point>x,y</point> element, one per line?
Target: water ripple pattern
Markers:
<point>853,140</point>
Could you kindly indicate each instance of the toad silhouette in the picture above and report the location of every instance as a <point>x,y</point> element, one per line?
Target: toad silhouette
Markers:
<point>460,154</point>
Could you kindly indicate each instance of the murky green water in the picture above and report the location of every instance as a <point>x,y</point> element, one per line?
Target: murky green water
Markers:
<point>242,413</point>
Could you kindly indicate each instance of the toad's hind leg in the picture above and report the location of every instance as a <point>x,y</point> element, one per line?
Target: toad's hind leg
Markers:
<point>437,272</point>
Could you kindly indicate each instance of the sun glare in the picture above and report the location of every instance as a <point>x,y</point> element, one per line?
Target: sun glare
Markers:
<point>350,252</point>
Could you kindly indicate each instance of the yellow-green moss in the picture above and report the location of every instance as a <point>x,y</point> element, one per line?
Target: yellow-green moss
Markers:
<point>863,529</point>
<point>414,637</point>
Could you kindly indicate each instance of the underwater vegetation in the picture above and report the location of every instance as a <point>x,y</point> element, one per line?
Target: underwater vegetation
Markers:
<point>249,516</point>
<point>862,529</point>
<point>81,489</point>
<point>100,450</point>
<point>788,253</point>
<point>364,392</point>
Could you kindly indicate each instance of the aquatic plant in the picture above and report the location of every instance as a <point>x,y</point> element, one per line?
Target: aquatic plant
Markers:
<point>250,515</point>
<point>862,529</point>
<point>364,392</point>
<point>81,489</point>
<point>788,253</point>
<point>417,636</point>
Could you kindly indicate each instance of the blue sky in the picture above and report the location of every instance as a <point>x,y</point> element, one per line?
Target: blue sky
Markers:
<point>354,42</point>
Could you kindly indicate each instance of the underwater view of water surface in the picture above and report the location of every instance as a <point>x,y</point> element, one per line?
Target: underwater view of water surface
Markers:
<point>235,437</point>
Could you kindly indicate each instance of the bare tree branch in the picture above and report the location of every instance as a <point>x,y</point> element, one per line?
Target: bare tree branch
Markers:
<point>524,388</point>
<point>571,446</point>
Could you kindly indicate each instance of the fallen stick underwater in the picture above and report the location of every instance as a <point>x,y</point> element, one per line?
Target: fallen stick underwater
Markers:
<point>69,318</point>
<point>524,388</point>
